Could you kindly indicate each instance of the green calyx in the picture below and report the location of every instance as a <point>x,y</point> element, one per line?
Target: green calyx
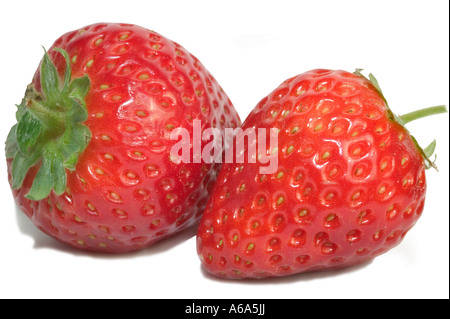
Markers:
<point>426,152</point>
<point>49,130</point>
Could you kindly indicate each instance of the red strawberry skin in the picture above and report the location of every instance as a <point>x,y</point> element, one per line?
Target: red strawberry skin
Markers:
<point>350,184</point>
<point>125,192</point>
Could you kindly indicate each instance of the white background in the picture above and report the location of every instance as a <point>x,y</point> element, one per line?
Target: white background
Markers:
<point>250,47</point>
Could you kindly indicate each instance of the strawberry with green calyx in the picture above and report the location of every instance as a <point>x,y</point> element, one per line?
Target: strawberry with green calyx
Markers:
<point>89,158</point>
<point>350,182</point>
<point>49,129</point>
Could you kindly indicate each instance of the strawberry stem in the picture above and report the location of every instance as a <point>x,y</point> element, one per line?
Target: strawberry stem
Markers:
<point>408,117</point>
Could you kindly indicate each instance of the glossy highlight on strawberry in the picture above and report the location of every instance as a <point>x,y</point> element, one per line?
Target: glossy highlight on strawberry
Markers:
<point>89,158</point>
<point>350,183</point>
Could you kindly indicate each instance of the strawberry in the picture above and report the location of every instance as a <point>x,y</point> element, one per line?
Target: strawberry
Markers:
<point>349,184</point>
<point>89,161</point>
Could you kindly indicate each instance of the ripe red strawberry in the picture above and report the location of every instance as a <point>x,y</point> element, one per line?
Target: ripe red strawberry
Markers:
<point>350,183</point>
<point>89,158</point>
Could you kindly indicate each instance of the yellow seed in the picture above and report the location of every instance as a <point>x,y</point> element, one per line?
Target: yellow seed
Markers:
<point>333,172</point>
<point>356,151</point>
<point>356,195</point>
<point>155,222</point>
<point>141,113</point>
<point>280,200</point>
<point>104,229</point>
<point>303,213</point>
<point>90,63</point>
<point>104,86</point>
<point>131,175</point>
<point>124,36</point>
<point>114,195</point>
<point>325,110</point>
<point>170,127</point>
<point>318,127</point>
<point>405,181</point>
<point>358,171</point>
<point>403,161</point>
<point>376,235</point>
<point>337,129</point>
<point>130,128</point>
<point>98,41</point>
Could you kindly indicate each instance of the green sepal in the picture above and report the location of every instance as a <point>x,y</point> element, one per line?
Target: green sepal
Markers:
<point>51,174</point>
<point>79,87</point>
<point>49,130</point>
<point>72,143</point>
<point>68,72</point>
<point>28,131</point>
<point>20,166</point>
<point>77,110</point>
<point>50,81</point>
<point>429,150</point>
<point>11,148</point>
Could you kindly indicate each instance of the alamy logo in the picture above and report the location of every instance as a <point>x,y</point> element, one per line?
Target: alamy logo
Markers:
<point>220,147</point>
